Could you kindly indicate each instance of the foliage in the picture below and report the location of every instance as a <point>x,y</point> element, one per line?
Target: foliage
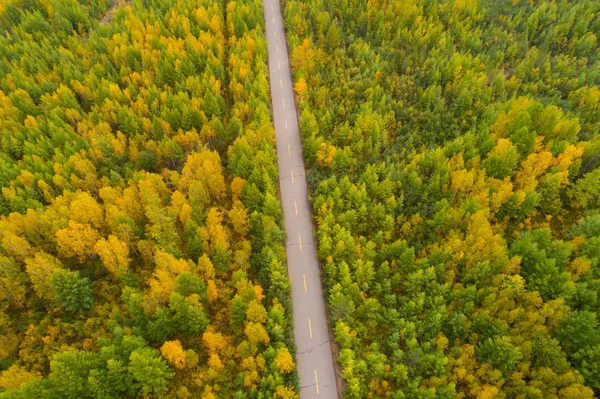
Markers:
<point>137,151</point>
<point>453,166</point>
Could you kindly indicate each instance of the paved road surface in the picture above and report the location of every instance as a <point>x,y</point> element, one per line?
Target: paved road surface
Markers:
<point>315,361</point>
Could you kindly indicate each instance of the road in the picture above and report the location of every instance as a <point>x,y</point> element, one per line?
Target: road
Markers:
<point>314,357</point>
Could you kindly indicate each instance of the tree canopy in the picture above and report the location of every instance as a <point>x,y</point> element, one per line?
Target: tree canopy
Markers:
<point>453,154</point>
<point>139,256</point>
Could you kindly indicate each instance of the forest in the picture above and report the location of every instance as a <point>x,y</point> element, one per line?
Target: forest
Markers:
<point>141,243</point>
<point>453,151</point>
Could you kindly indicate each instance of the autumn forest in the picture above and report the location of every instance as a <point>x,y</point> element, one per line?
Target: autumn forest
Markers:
<point>452,152</point>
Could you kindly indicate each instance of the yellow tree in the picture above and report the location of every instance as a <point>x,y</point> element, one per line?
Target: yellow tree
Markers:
<point>173,352</point>
<point>77,240</point>
<point>12,280</point>
<point>301,89</point>
<point>114,254</point>
<point>202,177</point>
<point>40,269</point>
<point>164,280</point>
<point>15,245</point>
<point>214,234</point>
<point>256,333</point>
<point>85,209</point>
<point>285,392</point>
<point>238,217</point>
<point>15,376</point>
<point>284,362</point>
<point>237,187</point>
<point>214,341</point>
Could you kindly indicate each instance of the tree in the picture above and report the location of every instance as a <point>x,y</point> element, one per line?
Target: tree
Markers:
<point>579,331</point>
<point>284,362</point>
<point>173,352</point>
<point>71,291</point>
<point>333,37</point>
<point>15,376</point>
<point>40,269</point>
<point>150,373</point>
<point>256,333</point>
<point>500,353</point>
<point>77,240</point>
<point>285,392</point>
<point>542,262</point>
<point>84,209</point>
<point>114,254</point>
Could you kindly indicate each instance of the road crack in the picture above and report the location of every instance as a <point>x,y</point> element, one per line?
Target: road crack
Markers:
<point>313,348</point>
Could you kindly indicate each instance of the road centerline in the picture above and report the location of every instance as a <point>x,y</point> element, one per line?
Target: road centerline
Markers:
<point>302,263</point>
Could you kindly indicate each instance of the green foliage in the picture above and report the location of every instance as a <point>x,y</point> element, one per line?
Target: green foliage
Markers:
<point>500,353</point>
<point>452,162</point>
<point>150,372</point>
<point>131,133</point>
<point>71,291</point>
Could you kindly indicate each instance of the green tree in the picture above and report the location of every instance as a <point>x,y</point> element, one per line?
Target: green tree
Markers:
<point>72,292</point>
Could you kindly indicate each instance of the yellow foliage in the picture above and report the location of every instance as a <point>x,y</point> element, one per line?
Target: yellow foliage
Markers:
<point>214,341</point>
<point>214,233</point>
<point>326,154</point>
<point>206,267</point>
<point>250,379</point>
<point>501,147</point>
<point>534,166</point>
<point>40,268</point>
<point>256,333</point>
<point>258,293</point>
<point>181,207</point>
<point>462,180</point>
<point>304,58</point>
<point>481,243</point>
<point>77,240</point>
<point>488,392</point>
<point>579,267</point>
<point>566,159</point>
<point>164,280</point>
<point>173,352</point>
<point>501,196</point>
<point>214,362</point>
<point>202,177</point>
<point>237,186</point>
<point>284,392</point>
<point>15,376</point>
<point>238,217</point>
<point>284,361</point>
<point>211,291</point>
<point>114,254</point>
<point>301,89</point>
<point>15,245</point>
<point>256,312</point>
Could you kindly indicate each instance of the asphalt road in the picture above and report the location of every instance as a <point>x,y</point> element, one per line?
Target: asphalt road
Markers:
<point>314,357</point>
